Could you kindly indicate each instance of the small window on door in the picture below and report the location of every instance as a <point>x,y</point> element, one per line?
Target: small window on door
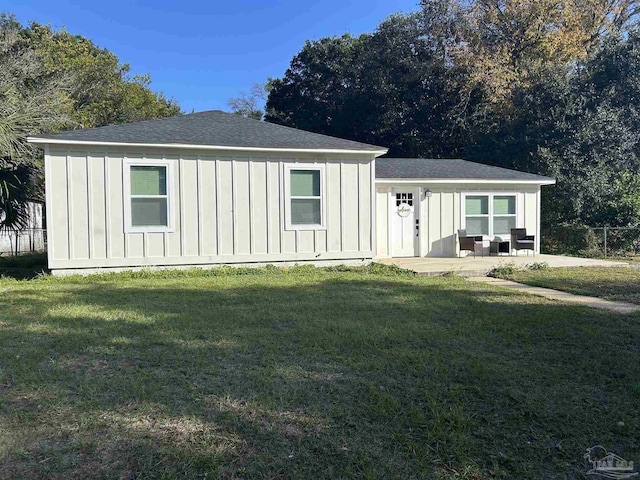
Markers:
<point>404,198</point>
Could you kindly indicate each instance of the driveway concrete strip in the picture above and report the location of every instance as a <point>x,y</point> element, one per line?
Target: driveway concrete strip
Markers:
<point>594,302</point>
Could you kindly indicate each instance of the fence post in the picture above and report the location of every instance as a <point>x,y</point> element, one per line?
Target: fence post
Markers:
<point>605,242</point>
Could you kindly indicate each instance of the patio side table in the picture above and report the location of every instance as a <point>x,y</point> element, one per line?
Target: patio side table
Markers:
<point>499,246</point>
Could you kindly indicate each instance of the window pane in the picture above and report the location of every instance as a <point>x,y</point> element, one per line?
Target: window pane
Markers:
<point>305,183</point>
<point>478,205</point>
<point>504,205</point>
<point>477,226</point>
<point>149,212</point>
<point>503,225</point>
<point>305,211</point>
<point>148,180</point>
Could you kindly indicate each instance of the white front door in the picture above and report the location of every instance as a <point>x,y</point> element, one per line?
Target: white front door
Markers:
<point>404,226</point>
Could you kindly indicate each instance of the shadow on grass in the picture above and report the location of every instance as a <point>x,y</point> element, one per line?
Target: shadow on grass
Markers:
<point>23,267</point>
<point>316,377</point>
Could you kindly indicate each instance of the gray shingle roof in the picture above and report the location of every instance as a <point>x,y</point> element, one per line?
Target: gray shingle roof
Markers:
<point>211,128</point>
<point>448,169</point>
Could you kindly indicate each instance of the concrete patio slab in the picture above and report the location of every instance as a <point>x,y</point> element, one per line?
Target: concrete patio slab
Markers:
<point>593,302</point>
<point>479,266</point>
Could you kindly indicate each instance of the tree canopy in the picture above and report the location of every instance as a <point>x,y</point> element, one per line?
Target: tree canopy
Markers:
<point>52,80</point>
<point>389,88</point>
<point>103,90</point>
<point>544,86</point>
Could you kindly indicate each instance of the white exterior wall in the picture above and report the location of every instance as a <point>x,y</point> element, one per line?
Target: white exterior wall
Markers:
<point>228,208</point>
<point>441,214</point>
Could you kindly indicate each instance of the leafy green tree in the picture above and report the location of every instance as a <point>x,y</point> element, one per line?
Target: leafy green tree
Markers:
<point>595,148</point>
<point>594,160</point>
<point>104,92</point>
<point>311,95</point>
<point>547,87</point>
<point>32,100</point>
<point>49,81</point>
<point>389,88</point>
<point>580,126</point>
<point>502,46</point>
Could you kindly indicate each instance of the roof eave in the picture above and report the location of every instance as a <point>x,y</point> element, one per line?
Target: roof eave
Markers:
<point>57,141</point>
<point>541,181</point>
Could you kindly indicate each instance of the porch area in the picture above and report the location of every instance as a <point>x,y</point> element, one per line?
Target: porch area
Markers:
<point>479,266</point>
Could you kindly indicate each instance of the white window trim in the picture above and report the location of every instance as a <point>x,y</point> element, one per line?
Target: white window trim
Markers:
<point>287,194</point>
<point>126,177</point>
<point>490,216</point>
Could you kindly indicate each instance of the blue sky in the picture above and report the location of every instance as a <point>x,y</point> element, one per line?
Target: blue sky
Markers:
<point>203,52</point>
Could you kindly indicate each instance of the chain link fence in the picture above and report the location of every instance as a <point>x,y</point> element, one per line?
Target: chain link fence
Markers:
<point>597,242</point>
<point>23,241</point>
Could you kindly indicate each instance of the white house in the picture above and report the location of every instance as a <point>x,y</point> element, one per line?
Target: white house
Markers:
<point>441,197</point>
<point>215,188</point>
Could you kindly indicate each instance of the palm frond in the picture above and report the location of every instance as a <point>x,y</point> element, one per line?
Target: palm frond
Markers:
<point>17,183</point>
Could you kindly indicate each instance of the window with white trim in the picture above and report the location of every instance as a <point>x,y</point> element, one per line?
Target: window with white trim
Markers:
<point>490,215</point>
<point>147,186</point>
<point>305,197</point>
<point>504,214</point>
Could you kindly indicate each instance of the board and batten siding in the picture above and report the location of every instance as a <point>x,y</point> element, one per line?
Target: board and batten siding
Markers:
<point>441,215</point>
<point>227,208</point>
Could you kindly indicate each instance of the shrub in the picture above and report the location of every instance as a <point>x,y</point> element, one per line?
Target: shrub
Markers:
<point>503,270</point>
<point>537,266</point>
<point>570,239</point>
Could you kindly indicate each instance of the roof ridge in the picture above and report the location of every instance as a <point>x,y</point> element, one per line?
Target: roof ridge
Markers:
<point>292,128</point>
<point>435,169</point>
<point>212,129</point>
<point>423,158</point>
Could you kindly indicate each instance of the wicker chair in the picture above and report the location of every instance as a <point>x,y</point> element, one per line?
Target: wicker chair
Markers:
<point>521,241</point>
<point>471,244</point>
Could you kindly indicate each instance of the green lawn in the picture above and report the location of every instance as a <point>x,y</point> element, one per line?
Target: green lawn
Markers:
<point>307,374</point>
<point>622,284</point>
